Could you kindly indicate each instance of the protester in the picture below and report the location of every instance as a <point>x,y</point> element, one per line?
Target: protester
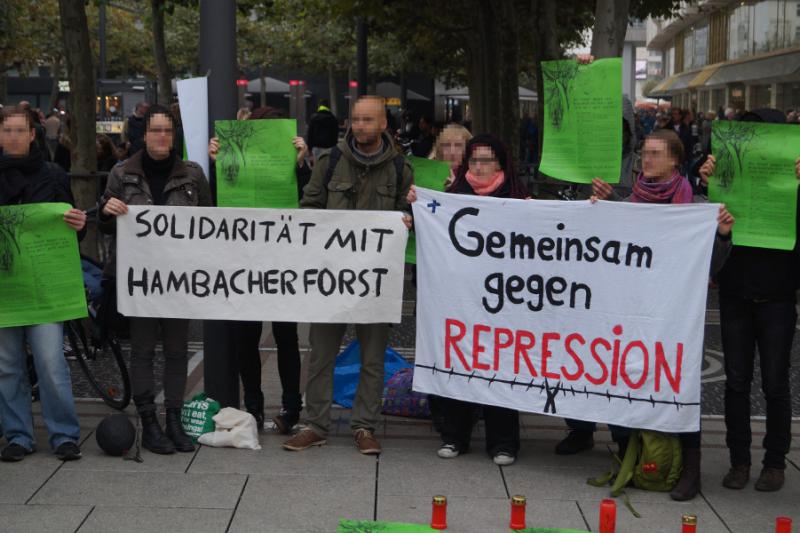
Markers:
<point>757,301</point>
<point>63,154</point>
<point>450,146</point>
<point>108,155</point>
<point>133,131</point>
<point>52,127</point>
<point>25,178</point>
<point>363,172</point>
<point>423,145</point>
<point>156,175</point>
<point>486,170</point>
<point>323,129</point>
<point>246,335</point>
<point>660,182</point>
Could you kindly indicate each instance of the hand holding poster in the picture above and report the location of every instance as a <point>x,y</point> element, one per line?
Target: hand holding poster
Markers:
<point>755,178</point>
<point>256,163</point>
<point>582,120</point>
<point>40,269</point>
<point>291,265</point>
<point>588,311</point>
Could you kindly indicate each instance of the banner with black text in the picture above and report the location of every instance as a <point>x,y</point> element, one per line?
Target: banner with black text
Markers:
<point>289,265</point>
<point>586,311</point>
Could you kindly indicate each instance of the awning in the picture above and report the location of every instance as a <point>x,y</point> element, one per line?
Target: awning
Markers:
<point>703,76</point>
<point>660,90</point>
<point>681,82</point>
<point>757,69</point>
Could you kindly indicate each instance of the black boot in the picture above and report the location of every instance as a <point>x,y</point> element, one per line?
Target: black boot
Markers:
<point>153,437</point>
<point>182,441</point>
<point>689,484</point>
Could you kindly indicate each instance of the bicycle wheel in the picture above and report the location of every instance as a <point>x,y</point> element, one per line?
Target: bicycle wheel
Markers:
<point>103,366</point>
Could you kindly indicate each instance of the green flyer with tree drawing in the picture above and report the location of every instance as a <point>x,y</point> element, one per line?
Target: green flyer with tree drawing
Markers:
<point>256,163</point>
<point>582,120</point>
<point>40,269</point>
<point>755,178</point>
<point>431,174</point>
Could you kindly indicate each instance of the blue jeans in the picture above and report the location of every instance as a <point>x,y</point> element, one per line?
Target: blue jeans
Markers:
<point>55,387</point>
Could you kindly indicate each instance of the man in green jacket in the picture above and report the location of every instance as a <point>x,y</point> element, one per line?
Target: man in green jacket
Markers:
<point>364,171</point>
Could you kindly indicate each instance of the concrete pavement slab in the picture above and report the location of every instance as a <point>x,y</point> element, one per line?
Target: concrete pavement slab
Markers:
<point>42,518</point>
<point>412,467</point>
<point>337,458</point>
<point>20,481</point>
<point>299,504</point>
<point>141,489</point>
<point>154,520</point>
<point>660,517</point>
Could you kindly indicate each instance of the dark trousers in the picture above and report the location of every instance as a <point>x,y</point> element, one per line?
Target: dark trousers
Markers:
<point>144,335</point>
<point>620,434</point>
<point>502,426</point>
<point>246,336</point>
<point>770,326</point>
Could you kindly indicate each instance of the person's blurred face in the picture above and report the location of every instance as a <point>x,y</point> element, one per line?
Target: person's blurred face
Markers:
<point>159,135</point>
<point>368,121</point>
<point>452,147</point>
<point>676,116</point>
<point>657,163</point>
<point>17,136</point>
<point>483,163</point>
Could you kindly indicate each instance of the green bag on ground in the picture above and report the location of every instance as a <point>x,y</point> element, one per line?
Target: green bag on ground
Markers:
<point>197,415</point>
<point>653,461</point>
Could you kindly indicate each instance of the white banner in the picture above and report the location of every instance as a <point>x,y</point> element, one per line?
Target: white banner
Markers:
<point>193,98</point>
<point>292,265</point>
<point>587,311</point>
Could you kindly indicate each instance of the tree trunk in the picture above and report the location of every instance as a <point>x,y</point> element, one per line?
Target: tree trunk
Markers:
<point>547,48</point>
<point>610,26</point>
<point>55,72</point>
<point>508,63</point>
<point>483,71</point>
<point>80,71</point>
<point>160,51</point>
<point>333,94</point>
<point>3,87</point>
<point>262,80</point>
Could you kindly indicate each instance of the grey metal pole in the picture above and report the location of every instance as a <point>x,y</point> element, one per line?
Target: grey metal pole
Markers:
<point>218,60</point>
<point>101,74</point>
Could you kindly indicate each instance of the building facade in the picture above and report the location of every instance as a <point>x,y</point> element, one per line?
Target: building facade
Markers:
<point>720,53</point>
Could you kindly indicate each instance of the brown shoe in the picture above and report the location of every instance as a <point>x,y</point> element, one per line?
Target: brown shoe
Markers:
<point>366,442</point>
<point>770,480</point>
<point>737,477</point>
<point>305,438</point>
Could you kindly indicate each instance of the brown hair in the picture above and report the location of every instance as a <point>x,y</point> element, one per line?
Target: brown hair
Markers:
<point>673,142</point>
<point>16,111</point>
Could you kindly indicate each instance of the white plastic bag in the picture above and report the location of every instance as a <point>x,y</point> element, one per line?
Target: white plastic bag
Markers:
<point>234,428</point>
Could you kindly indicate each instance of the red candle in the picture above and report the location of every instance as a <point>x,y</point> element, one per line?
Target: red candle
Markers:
<point>517,512</point>
<point>689,524</point>
<point>783,524</point>
<point>439,518</point>
<point>608,516</point>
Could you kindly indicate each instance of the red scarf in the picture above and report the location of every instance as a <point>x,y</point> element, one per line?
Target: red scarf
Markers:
<point>485,188</point>
<point>676,190</point>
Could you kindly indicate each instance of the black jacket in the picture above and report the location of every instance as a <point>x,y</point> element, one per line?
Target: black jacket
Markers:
<point>48,183</point>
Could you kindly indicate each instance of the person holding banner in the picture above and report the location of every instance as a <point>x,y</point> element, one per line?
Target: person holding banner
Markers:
<point>247,335</point>
<point>486,170</point>
<point>757,299</point>
<point>156,175</point>
<point>660,182</point>
<point>25,178</point>
<point>363,172</point>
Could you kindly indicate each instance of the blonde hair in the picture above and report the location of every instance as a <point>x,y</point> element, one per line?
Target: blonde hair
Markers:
<point>451,130</point>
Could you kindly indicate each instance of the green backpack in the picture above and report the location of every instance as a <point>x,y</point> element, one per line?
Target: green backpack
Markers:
<point>653,461</point>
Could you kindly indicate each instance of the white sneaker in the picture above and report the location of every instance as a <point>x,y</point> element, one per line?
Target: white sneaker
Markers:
<point>504,459</point>
<point>448,451</point>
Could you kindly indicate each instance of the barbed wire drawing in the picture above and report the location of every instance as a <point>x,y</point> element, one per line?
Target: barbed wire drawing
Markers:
<point>233,139</point>
<point>553,392</point>
<point>11,221</point>
<point>730,141</point>
<point>558,77</point>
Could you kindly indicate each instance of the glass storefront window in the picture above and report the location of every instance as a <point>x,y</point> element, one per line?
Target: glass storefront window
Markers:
<point>688,50</point>
<point>703,106</point>
<point>717,99</point>
<point>736,99</point>
<point>764,24</point>
<point>700,47</point>
<point>739,32</point>
<point>788,96</point>
<point>670,70</point>
<point>760,96</point>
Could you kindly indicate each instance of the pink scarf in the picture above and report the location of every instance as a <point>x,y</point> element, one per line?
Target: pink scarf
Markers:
<point>483,188</point>
<point>676,190</point>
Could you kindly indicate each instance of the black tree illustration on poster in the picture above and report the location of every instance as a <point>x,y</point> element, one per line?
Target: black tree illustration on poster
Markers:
<point>558,76</point>
<point>11,220</point>
<point>729,144</point>
<point>233,139</point>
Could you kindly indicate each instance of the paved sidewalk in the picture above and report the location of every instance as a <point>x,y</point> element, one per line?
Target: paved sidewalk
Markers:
<point>271,490</point>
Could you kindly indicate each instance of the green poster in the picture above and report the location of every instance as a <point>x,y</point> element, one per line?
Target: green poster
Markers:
<point>755,179</point>
<point>582,120</point>
<point>368,526</point>
<point>256,163</point>
<point>430,174</point>
<point>40,270</point>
